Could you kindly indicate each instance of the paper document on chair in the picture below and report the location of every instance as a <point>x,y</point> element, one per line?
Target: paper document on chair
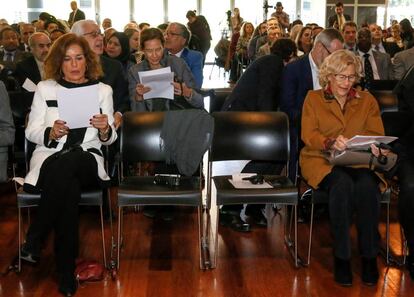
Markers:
<point>238,182</point>
<point>363,142</point>
<point>160,81</point>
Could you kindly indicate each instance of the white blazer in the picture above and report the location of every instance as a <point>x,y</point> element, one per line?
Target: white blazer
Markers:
<point>42,117</point>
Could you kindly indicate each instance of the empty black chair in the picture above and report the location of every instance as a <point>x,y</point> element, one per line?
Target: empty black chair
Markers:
<point>140,142</point>
<point>260,136</point>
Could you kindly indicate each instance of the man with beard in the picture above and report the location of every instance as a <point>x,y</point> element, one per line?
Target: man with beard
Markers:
<point>32,67</point>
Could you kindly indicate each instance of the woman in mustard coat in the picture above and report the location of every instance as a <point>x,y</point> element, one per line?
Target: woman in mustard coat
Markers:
<point>330,117</point>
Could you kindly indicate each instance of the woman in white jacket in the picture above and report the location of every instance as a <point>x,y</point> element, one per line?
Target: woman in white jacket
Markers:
<point>65,161</point>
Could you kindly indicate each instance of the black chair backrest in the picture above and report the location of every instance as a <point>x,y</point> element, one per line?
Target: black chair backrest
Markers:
<point>383,85</point>
<point>387,100</point>
<point>140,137</point>
<point>260,136</point>
<point>218,98</point>
<point>20,103</point>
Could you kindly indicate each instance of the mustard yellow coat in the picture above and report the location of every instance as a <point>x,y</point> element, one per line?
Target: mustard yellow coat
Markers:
<point>323,118</point>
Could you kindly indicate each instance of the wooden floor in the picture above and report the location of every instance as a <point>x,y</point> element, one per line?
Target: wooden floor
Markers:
<point>161,259</point>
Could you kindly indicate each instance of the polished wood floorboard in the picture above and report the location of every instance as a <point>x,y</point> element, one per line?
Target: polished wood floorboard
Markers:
<point>161,259</point>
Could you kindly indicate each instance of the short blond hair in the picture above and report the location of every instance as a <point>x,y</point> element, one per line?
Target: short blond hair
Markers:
<point>337,62</point>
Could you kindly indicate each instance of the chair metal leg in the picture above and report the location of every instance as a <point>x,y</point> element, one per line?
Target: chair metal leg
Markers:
<point>310,235</point>
<point>387,234</point>
<point>19,246</point>
<point>216,246</point>
<point>119,237</point>
<point>103,237</point>
<point>202,240</point>
<point>292,245</point>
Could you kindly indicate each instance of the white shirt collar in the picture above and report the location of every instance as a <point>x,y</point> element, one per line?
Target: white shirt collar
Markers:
<point>177,54</point>
<point>315,72</point>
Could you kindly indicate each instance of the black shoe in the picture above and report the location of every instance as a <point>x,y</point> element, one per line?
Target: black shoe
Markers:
<point>410,265</point>
<point>258,217</point>
<point>27,255</point>
<point>233,221</point>
<point>68,284</point>
<point>342,272</point>
<point>370,273</point>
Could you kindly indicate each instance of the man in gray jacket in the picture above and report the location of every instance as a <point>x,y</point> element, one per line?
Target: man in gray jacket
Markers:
<point>6,130</point>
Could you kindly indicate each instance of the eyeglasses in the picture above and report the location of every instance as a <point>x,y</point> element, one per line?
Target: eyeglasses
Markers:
<point>341,78</point>
<point>171,34</point>
<point>93,34</point>
<point>324,46</point>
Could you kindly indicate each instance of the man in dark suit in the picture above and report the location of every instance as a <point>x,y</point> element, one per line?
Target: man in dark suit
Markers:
<point>26,30</point>
<point>380,63</point>
<point>76,14</point>
<point>199,27</point>
<point>402,62</point>
<point>349,32</point>
<point>390,48</point>
<point>32,67</point>
<point>10,54</point>
<point>177,37</point>
<point>301,76</point>
<point>113,73</point>
<point>339,18</point>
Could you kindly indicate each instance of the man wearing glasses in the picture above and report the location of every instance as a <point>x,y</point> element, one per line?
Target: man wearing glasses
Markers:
<point>112,69</point>
<point>177,37</point>
<point>301,76</point>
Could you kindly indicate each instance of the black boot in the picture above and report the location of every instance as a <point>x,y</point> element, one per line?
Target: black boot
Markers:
<point>68,284</point>
<point>30,253</point>
<point>232,220</point>
<point>370,273</point>
<point>342,272</point>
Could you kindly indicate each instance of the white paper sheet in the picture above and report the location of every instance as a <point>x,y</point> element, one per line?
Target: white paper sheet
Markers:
<point>160,81</point>
<point>359,141</point>
<point>238,182</point>
<point>77,106</point>
<point>28,85</point>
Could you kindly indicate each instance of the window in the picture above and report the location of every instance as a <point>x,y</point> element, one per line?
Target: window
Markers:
<point>117,11</point>
<point>152,13</point>
<point>178,8</point>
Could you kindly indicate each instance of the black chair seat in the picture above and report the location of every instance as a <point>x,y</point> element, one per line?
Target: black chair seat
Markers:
<point>137,190</point>
<point>286,193</point>
<point>25,199</point>
<point>321,196</point>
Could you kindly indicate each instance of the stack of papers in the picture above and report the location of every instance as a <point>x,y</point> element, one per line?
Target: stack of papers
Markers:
<point>70,101</point>
<point>364,142</point>
<point>160,81</point>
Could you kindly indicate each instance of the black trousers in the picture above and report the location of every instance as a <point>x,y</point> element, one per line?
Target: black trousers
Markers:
<point>352,191</point>
<point>406,200</point>
<point>61,181</point>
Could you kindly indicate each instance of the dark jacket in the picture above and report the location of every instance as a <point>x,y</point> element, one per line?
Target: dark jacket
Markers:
<point>113,76</point>
<point>186,135</point>
<point>27,68</point>
<point>258,89</point>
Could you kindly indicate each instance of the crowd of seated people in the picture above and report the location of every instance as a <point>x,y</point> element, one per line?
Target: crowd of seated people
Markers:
<point>337,66</point>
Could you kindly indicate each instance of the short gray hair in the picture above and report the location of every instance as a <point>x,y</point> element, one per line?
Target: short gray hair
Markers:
<point>327,36</point>
<point>78,28</point>
<point>34,35</point>
<point>184,32</point>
